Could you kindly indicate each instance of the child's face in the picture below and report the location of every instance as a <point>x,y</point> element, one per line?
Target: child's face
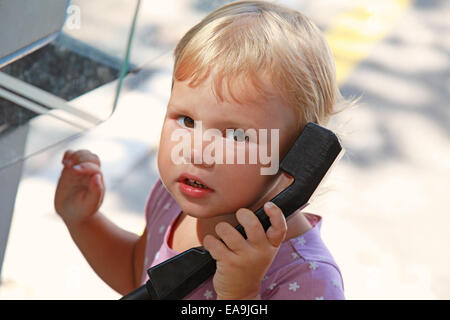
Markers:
<point>234,185</point>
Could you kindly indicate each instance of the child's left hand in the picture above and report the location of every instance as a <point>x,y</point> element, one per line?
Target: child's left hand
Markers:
<point>241,263</point>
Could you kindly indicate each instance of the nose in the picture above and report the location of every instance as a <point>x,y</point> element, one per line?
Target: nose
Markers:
<point>197,147</point>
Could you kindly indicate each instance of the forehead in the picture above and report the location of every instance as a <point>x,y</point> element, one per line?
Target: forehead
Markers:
<point>254,108</point>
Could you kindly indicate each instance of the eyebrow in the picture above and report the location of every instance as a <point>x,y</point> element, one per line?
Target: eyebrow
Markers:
<point>226,122</point>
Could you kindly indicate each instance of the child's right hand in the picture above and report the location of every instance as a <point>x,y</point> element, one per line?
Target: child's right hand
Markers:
<point>80,189</point>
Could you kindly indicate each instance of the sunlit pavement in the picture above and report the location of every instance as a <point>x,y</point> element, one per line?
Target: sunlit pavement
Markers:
<point>385,206</point>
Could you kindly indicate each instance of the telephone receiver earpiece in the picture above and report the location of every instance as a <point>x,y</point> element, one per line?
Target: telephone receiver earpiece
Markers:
<point>308,161</point>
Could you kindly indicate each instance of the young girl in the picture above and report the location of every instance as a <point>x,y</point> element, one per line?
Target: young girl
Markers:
<point>247,65</point>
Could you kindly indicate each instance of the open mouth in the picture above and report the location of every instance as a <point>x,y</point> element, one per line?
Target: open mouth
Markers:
<point>194,183</point>
<point>192,186</point>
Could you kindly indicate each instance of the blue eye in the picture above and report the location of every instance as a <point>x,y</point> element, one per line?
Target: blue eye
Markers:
<point>237,135</point>
<point>185,121</point>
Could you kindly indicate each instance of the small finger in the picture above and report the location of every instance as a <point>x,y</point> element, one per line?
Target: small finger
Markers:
<point>96,180</point>
<point>86,168</point>
<point>252,227</point>
<point>277,231</point>
<point>66,161</point>
<point>231,237</point>
<point>83,156</point>
<point>216,248</point>
<point>97,187</point>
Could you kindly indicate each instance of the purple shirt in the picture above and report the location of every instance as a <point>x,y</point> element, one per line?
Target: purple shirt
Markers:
<point>302,269</point>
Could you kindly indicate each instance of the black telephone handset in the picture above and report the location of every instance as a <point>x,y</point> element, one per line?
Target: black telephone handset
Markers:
<point>308,161</point>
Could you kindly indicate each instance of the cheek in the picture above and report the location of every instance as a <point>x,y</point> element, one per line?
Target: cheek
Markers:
<point>242,184</point>
<point>164,151</point>
<point>162,164</point>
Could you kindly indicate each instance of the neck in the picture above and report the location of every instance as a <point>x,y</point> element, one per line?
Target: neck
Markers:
<point>208,225</point>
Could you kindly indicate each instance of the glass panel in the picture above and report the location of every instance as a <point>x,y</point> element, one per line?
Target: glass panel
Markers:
<point>69,82</point>
<point>161,24</point>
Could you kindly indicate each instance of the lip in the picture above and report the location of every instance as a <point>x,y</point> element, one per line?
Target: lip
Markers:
<point>193,192</point>
<point>186,175</point>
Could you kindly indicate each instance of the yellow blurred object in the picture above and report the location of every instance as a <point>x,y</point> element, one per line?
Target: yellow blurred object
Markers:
<point>354,32</point>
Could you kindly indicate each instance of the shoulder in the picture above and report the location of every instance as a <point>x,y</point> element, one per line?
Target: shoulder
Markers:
<point>159,200</point>
<point>304,269</point>
<point>156,192</point>
<point>304,280</point>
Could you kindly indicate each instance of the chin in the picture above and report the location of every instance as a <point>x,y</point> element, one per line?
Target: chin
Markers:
<point>195,210</point>
<point>201,210</point>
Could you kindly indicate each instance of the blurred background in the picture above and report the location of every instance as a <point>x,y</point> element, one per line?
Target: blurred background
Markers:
<point>385,211</point>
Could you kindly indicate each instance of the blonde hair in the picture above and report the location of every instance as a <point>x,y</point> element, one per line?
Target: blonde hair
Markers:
<point>248,39</point>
